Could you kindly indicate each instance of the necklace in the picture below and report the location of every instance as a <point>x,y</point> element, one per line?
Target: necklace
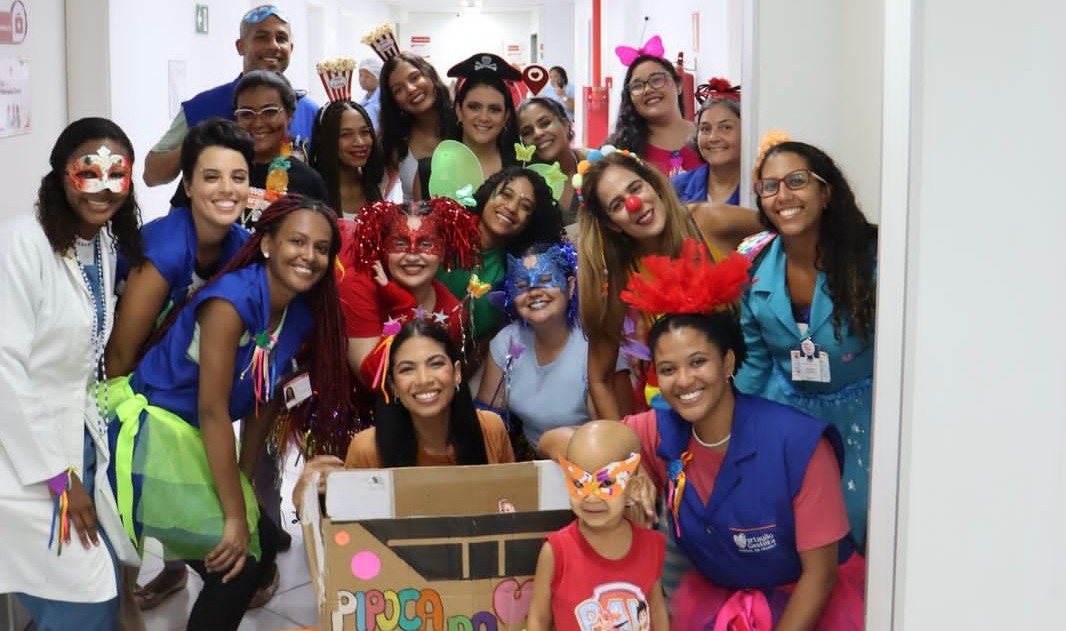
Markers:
<point>97,327</point>
<point>711,445</point>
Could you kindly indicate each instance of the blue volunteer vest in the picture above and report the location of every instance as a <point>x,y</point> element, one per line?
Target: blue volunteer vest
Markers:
<point>218,101</point>
<point>745,537</point>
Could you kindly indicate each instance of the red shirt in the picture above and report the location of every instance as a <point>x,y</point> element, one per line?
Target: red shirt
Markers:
<point>593,593</point>
<point>671,163</point>
<point>367,306</point>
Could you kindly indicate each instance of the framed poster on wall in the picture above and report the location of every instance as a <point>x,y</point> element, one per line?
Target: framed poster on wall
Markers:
<point>14,96</point>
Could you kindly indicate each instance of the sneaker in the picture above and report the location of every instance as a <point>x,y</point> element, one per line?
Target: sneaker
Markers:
<point>265,592</point>
<point>284,541</point>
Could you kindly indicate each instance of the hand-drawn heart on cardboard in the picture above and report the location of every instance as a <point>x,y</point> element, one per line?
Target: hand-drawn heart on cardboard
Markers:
<point>535,77</point>
<point>511,600</point>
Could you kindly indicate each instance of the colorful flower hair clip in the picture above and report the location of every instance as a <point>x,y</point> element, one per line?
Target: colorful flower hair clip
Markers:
<point>769,140</point>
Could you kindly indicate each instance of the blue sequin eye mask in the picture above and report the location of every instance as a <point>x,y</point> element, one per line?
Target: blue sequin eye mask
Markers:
<point>544,274</point>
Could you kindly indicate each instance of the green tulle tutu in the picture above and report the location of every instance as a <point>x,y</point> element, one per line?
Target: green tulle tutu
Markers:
<point>162,480</point>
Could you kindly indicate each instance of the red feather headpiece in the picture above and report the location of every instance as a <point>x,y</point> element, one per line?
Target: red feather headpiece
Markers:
<point>688,284</point>
<point>456,227</point>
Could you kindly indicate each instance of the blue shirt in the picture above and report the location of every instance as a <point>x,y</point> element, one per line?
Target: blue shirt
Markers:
<point>169,374</point>
<point>691,186</point>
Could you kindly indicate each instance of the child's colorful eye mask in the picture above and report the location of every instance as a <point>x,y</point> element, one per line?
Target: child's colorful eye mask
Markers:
<point>606,484</point>
<point>100,171</point>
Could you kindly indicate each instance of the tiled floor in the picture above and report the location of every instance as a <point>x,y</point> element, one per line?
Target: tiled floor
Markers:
<point>293,606</point>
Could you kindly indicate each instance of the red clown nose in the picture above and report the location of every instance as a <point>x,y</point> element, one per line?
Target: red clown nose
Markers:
<point>634,203</point>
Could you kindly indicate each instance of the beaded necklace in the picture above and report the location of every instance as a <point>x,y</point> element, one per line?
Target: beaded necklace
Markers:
<point>97,325</point>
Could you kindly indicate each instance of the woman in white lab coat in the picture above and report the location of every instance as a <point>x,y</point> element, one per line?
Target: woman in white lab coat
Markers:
<point>56,307</point>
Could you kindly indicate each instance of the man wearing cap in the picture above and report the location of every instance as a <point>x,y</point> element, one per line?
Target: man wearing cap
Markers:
<point>369,71</point>
<point>265,44</point>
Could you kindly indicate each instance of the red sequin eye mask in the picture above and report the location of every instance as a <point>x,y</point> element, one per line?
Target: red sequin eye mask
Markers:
<point>606,484</point>
<point>425,239</point>
<point>100,171</point>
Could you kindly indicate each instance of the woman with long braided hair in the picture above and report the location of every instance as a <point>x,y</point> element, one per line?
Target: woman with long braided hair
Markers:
<point>223,355</point>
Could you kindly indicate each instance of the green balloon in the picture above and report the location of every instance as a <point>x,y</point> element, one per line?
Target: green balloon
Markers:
<point>453,167</point>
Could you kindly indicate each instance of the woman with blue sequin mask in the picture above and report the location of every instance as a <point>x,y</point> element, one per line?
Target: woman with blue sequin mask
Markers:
<point>543,349</point>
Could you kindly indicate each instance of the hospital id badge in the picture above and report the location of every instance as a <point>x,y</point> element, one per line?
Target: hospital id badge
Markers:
<point>297,390</point>
<point>809,363</point>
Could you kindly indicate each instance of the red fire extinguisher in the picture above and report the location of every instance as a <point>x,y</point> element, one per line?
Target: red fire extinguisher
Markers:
<point>688,89</point>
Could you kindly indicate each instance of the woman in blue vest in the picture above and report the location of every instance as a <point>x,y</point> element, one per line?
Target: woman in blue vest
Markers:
<point>183,249</point>
<point>717,180</point>
<point>222,355</point>
<point>808,318</point>
<point>752,487</point>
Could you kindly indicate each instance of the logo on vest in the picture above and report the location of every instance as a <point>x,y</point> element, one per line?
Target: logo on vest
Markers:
<point>752,540</point>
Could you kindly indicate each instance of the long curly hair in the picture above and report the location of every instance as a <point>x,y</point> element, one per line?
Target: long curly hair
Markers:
<point>630,128</point>
<point>545,223</point>
<point>395,437</point>
<point>324,158</point>
<point>324,415</point>
<point>396,124</point>
<point>55,214</point>
<point>607,255</point>
<point>505,142</point>
<point>847,243</point>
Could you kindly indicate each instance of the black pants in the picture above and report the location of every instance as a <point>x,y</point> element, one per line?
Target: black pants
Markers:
<point>221,606</point>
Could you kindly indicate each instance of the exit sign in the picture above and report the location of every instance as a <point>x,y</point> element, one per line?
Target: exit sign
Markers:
<point>201,19</point>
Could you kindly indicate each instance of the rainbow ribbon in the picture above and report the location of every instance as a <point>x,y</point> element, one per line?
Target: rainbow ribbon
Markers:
<point>676,486</point>
<point>60,486</point>
<point>262,369</point>
<point>389,331</point>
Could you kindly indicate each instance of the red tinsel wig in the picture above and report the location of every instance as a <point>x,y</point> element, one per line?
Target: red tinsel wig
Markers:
<point>454,225</point>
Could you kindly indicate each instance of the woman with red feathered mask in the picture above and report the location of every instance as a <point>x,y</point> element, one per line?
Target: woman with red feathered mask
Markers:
<point>388,273</point>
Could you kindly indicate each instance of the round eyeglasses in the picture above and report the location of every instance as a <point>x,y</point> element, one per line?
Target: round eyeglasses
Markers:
<point>795,180</point>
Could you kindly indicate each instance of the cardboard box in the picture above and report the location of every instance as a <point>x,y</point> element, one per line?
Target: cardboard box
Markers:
<point>431,548</point>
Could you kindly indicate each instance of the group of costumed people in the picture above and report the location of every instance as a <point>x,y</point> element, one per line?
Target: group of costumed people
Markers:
<point>409,297</point>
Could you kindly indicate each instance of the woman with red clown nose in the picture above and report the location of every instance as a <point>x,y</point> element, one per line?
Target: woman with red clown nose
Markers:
<point>629,210</point>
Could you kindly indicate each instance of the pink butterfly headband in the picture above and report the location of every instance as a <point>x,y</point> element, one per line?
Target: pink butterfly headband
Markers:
<point>627,54</point>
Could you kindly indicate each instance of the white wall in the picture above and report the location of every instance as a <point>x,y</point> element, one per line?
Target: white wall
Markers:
<point>26,156</point>
<point>454,37</point>
<point>983,492</point>
<point>139,58</point>
<point>816,73</point>
<point>555,26</point>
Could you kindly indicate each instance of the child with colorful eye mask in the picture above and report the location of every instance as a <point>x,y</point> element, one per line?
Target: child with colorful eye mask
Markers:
<point>602,571</point>
<point>543,349</point>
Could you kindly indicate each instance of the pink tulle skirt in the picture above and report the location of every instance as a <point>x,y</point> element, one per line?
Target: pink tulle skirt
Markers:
<point>697,605</point>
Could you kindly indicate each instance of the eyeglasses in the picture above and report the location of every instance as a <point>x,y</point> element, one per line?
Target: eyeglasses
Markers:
<point>800,178</point>
<point>258,14</point>
<point>246,115</point>
<point>655,81</point>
